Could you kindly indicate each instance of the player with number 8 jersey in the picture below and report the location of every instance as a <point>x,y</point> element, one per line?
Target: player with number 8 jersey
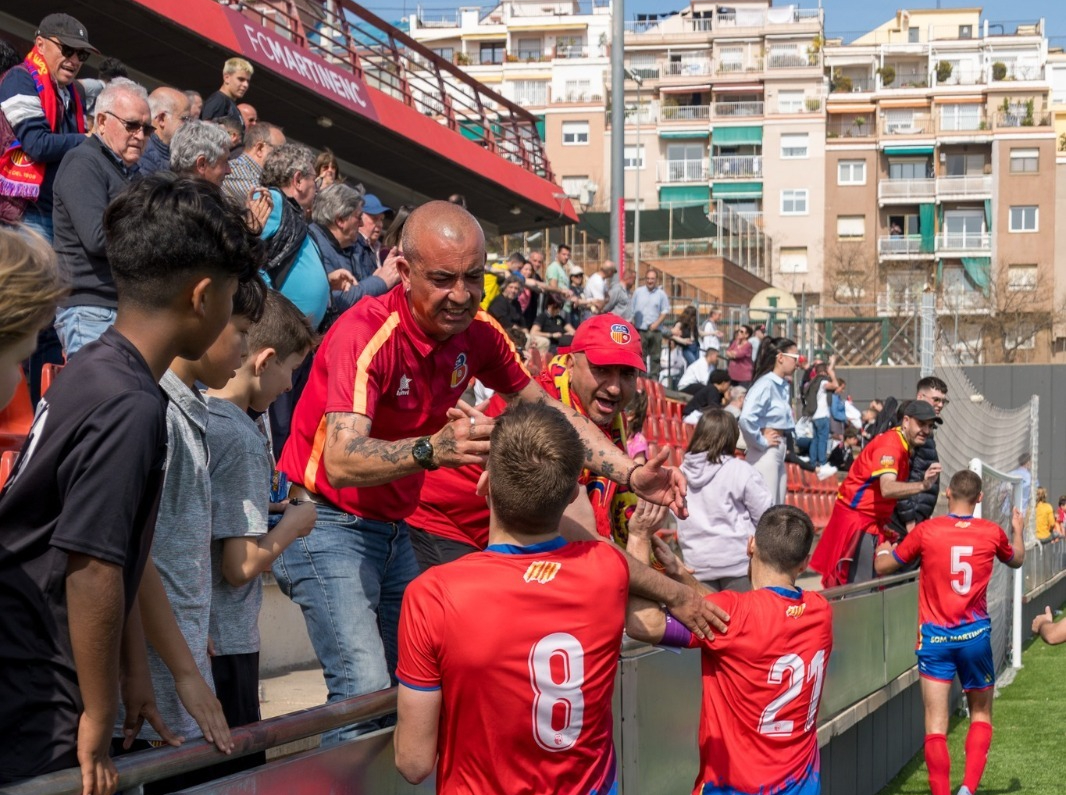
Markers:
<point>508,657</point>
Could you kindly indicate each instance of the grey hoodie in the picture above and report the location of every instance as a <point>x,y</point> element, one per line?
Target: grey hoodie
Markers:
<point>725,502</point>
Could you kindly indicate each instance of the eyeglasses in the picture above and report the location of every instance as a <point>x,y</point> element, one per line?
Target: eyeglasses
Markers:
<point>795,356</point>
<point>133,126</point>
<point>83,54</point>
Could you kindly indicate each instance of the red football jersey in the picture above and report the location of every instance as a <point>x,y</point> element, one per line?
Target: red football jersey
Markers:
<point>861,489</point>
<point>377,361</point>
<point>956,554</point>
<point>762,684</point>
<point>526,662</point>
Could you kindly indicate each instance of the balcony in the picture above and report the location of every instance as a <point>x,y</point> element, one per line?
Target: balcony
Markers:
<point>726,167</point>
<point>837,127</point>
<point>918,125</point>
<point>732,110</point>
<point>693,68</point>
<point>1004,119</point>
<point>645,71</point>
<point>964,123</point>
<point>808,105</point>
<point>668,113</point>
<point>570,51</point>
<point>967,302</point>
<point>682,171</point>
<point>901,247</point>
<point>968,187</point>
<point>734,68</point>
<point>790,59</point>
<point>905,191</point>
<point>851,84</point>
<point>899,302</point>
<point>960,242</point>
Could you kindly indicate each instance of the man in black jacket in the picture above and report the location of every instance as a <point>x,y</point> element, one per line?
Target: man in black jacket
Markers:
<point>912,510</point>
<point>89,177</point>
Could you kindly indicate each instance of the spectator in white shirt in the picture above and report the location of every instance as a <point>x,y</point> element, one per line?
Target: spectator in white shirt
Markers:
<point>710,336</point>
<point>696,374</point>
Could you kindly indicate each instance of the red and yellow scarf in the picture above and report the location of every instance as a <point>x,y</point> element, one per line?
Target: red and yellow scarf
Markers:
<point>20,176</point>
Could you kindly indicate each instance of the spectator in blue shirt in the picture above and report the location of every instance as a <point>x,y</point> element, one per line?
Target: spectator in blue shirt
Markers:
<point>766,419</point>
<point>650,306</point>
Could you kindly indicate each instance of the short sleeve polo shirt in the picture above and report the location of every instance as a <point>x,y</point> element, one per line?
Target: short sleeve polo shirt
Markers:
<point>377,361</point>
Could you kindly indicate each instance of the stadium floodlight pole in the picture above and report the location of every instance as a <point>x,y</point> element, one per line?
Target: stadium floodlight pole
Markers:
<point>618,209</point>
<point>631,75</point>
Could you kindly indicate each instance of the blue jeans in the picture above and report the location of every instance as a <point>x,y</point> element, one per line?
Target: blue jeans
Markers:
<point>77,326</point>
<point>41,224</point>
<point>820,442</point>
<point>348,576</point>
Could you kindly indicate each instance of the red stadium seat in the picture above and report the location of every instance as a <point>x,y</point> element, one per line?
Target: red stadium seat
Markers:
<point>794,477</point>
<point>16,419</point>
<point>673,409</point>
<point>7,465</point>
<point>48,373</point>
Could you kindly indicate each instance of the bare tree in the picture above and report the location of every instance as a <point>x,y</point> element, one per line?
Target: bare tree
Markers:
<point>851,277</point>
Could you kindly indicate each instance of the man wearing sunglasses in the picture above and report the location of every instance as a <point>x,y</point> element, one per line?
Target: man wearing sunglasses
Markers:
<point>88,179</point>
<point>48,119</point>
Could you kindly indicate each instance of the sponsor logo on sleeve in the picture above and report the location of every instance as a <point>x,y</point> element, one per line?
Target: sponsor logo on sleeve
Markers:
<point>888,460</point>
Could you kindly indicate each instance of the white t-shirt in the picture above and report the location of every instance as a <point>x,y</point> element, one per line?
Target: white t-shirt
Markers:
<point>822,412</point>
<point>696,373</point>
<point>709,337</point>
<point>596,287</point>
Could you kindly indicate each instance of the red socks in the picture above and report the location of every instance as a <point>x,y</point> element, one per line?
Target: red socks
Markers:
<point>938,761</point>
<point>978,739</point>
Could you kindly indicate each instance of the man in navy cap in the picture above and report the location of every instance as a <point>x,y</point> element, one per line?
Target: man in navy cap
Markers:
<point>368,243</point>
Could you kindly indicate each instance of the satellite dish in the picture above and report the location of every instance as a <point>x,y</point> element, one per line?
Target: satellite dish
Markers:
<point>765,302</point>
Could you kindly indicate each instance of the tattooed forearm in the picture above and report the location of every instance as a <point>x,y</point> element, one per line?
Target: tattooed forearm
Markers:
<point>353,458</point>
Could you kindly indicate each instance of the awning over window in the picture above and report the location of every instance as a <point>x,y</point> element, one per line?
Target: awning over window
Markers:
<point>908,151</point>
<point>675,223</point>
<point>736,136</point>
<point>738,190</point>
<point>831,108</point>
<point>685,134</point>
<point>684,195</point>
<point>693,89</point>
<point>974,99</point>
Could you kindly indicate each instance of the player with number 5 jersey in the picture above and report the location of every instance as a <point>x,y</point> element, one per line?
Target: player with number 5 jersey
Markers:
<point>762,680</point>
<point>957,553</point>
<point>508,657</point>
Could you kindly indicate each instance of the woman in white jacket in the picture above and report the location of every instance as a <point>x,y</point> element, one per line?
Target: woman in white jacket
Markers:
<point>726,499</point>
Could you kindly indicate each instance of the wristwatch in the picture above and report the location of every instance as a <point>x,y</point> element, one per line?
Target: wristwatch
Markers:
<point>423,454</point>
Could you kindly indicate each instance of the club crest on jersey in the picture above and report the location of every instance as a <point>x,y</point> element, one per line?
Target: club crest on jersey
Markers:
<point>795,611</point>
<point>887,460</point>
<point>963,525</point>
<point>460,371</point>
<point>620,333</point>
<point>542,571</point>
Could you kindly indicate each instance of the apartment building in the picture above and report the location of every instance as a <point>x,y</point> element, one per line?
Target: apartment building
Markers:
<point>725,109</point>
<point>941,163</point>
<point>550,58</point>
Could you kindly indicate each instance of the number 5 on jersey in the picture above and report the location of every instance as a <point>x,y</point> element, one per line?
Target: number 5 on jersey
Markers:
<point>792,665</point>
<point>961,566</point>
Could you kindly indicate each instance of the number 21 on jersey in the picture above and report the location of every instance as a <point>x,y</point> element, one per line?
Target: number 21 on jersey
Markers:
<point>798,674</point>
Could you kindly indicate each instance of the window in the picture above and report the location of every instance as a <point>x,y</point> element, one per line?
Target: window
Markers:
<point>851,227</point>
<point>1024,161</point>
<point>447,53</point>
<point>790,101</point>
<point>529,50</point>
<point>793,260</point>
<point>1024,218</point>
<point>1021,278</point>
<point>572,185</point>
<point>1021,336</point>
<point>531,92</point>
<point>964,165</point>
<point>575,133</point>
<point>965,31</point>
<point>570,47</point>
<point>491,52</point>
<point>851,172</point>
<point>633,158</point>
<point>644,66</point>
<point>731,59</point>
<point>960,117</point>
<point>964,229</point>
<point>577,91</point>
<point>793,145</point>
<point>794,202</point>
<point>899,120</point>
<point>909,169</point>
<point>912,35</point>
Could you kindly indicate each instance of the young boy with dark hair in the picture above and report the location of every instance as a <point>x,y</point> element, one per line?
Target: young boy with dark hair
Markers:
<point>78,515</point>
<point>241,467</point>
<point>957,552</point>
<point>762,681</point>
<point>181,550</point>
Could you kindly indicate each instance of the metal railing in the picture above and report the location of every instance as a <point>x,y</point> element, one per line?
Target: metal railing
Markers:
<point>736,167</point>
<point>687,68</point>
<point>725,110</point>
<point>849,84</point>
<point>808,105</point>
<point>645,71</point>
<point>387,59</point>
<point>891,302</point>
<point>732,67</point>
<point>788,59</point>
<point>906,190</point>
<point>977,186</point>
<point>645,114</point>
<point>1002,119</point>
<point>683,171</point>
<point>684,113</point>
<point>917,125</point>
<point>963,241</point>
<point>849,128</point>
<point>963,123</point>
<point>900,246</point>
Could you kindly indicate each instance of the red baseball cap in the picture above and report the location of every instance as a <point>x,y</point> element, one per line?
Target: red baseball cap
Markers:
<point>609,340</point>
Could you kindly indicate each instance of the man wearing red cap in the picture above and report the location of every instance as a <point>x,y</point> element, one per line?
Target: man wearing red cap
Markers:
<point>598,377</point>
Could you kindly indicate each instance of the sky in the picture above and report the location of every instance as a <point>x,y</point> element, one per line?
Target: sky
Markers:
<point>846,18</point>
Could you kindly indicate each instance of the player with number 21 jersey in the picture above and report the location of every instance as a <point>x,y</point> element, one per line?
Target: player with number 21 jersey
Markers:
<point>527,641</point>
<point>762,684</point>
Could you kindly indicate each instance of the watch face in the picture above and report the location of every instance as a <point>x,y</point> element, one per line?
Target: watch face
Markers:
<point>423,453</point>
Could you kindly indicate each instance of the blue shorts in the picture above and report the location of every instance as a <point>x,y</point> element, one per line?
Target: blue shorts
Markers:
<point>966,651</point>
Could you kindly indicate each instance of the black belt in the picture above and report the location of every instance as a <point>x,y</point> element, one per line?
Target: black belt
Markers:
<point>303,495</point>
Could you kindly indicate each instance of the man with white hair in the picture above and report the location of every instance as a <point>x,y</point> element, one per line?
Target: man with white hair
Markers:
<point>88,179</point>
<point>200,149</point>
<point>597,286</point>
<point>170,110</point>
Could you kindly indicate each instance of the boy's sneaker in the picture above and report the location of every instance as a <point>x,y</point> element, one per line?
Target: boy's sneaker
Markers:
<point>964,790</point>
<point>825,471</point>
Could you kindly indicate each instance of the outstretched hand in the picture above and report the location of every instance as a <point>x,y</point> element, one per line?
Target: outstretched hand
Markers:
<point>465,438</point>
<point>661,484</point>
